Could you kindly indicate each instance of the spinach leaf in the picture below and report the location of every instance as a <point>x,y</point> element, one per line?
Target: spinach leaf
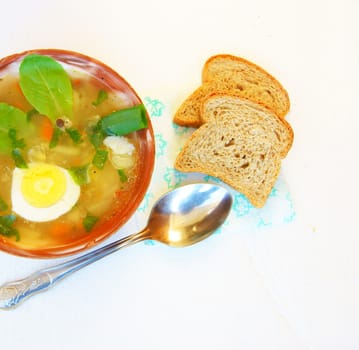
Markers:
<point>11,118</point>
<point>47,86</point>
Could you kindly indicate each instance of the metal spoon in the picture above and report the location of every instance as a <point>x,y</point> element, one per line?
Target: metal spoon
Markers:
<point>180,218</point>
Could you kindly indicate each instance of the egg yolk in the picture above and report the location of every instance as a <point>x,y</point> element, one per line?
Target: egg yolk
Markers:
<point>43,185</point>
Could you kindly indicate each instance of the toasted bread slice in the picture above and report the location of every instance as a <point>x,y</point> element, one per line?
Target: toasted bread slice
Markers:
<point>241,145</point>
<point>227,73</point>
<point>251,81</point>
<point>188,114</point>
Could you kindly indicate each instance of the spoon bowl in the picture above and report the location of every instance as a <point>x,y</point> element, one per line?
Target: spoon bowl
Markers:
<point>180,218</point>
<point>188,214</point>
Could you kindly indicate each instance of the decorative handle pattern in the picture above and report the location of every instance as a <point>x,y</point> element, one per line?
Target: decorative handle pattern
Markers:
<point>14,292</point>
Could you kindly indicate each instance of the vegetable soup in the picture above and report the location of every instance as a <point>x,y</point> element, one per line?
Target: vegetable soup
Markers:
<point>69,153</point>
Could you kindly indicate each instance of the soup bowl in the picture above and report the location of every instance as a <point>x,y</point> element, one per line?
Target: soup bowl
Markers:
<point>72,172</point>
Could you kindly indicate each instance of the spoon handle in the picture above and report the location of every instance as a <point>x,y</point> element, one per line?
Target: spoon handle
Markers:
<point>12,293</point>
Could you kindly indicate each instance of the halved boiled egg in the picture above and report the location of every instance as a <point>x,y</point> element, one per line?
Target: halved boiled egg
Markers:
<point>43,192</point>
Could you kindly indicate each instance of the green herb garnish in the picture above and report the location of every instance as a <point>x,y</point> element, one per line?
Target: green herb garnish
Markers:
<point>95,134</point>
<point>3,205</point>
<point>6,229</point>
<point>47,86</point>
<point>10,118</point>
<point>18,159</point>
<point>122,175</point>
<point>16,143</point>
<point>89,222</point>
<point>125,121</point>
<point>55,137</point>
<point>101,96</point>
<point>8,220</point>
<point>74,135</point>
<point>100,158</point>
<point>80,174</point>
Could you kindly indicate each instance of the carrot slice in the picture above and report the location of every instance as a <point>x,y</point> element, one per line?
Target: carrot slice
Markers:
<point>46,129</point>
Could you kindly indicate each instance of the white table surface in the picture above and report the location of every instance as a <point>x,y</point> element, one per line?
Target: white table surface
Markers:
<point>295,286</point>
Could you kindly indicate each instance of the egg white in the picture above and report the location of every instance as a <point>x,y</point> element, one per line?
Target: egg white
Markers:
<point>23,208</point>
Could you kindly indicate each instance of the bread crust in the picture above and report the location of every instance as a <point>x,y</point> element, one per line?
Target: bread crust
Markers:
<point>188,114</point>
<point>206,77</point>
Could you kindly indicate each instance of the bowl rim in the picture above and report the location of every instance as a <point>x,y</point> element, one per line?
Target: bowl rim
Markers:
<point>147,156</point>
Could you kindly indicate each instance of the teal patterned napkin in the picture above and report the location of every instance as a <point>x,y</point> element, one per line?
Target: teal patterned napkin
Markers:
<point>169,139</point>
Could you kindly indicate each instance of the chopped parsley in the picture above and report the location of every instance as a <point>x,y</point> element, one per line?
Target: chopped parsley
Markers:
<point>6,226</point>
<point>101,96</point>
<point>89,222</point>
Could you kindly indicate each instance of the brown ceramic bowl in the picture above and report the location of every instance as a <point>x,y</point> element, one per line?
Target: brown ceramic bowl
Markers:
<point>146,150</point>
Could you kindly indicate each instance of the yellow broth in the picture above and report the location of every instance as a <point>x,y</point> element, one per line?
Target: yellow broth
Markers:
<point>104,195</point>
